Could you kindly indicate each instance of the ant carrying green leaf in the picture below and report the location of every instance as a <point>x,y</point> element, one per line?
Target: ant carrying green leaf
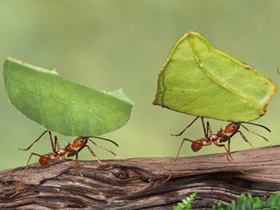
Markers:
<point>221,137</point>
<point>69,150</point>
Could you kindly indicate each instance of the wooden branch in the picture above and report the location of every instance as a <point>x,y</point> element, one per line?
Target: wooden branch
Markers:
<point>137,183</point>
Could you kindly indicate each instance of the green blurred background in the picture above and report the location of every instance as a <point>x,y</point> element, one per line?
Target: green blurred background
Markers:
<point>112,44</point>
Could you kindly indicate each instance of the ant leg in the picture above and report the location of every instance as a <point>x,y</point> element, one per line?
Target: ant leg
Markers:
<point>209,129</point>
<point>228,152</point>
<point>79,171</point>
<point>35,141</point>
<point>227,149</point>
<point>245,139</point>
<point>257,133</point>
<point>104,149</point>
<point>179,134</point>
<point>204,130</point>
<point>76,165</point>
<point>90,150</point>
<point>53,144</point>
<point>172,169</point>
<point>23,174</point>
<point>56,142</point>
<point>229,155</point>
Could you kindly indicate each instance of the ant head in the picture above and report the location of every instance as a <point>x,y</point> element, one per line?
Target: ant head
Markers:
<point>80,142</point>
<point>232,127</point>
<point>196,145</point>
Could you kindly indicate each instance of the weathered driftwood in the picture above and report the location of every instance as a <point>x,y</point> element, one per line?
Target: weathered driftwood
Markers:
<point>137,183</point>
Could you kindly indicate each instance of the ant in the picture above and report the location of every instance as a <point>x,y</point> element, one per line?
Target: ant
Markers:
<point>68,151</point>
<point>218,139</point>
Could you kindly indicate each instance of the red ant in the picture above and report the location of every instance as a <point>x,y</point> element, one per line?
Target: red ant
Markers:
<point>218,139</point>
<point>69,151</point>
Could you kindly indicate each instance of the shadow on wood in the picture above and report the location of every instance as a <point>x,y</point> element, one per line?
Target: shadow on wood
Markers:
<point>137,183</point>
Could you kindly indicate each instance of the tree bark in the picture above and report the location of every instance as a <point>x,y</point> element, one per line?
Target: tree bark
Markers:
<point>137,183</point>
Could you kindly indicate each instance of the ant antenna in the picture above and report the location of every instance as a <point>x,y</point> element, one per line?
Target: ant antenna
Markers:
<point>109,140</point>
<point>262,126</point>
<point>257,134</point>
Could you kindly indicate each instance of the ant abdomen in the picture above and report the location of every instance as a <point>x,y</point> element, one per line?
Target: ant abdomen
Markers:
<point>45,160</point>
<point>197,145</point>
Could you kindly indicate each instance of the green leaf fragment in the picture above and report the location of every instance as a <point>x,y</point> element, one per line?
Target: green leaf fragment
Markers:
<point>249,203</point>
<point>186,203</point>
<point>200,80</point>
<point>274,200</point>
<point>61,105</point>
<point>278,68</point>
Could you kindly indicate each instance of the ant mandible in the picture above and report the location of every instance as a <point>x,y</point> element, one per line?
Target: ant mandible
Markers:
<point>68,151</point>
<point>218,139</point>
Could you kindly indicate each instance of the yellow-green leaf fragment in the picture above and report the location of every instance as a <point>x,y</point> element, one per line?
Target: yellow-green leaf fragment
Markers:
<point>63,106</point>
<point>200,80</point>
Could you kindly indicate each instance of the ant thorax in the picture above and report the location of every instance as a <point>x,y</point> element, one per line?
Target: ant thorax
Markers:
<point>62,152</point>
<point>214,137</point>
